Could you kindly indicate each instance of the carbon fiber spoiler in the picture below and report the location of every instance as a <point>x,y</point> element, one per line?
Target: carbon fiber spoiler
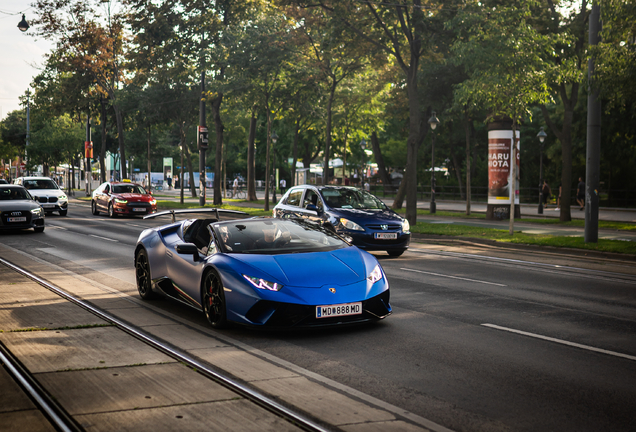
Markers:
<point>195,210</point>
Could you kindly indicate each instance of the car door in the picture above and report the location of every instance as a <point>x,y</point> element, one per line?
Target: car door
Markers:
<point>312,198</point>
<point>291,206</point>
<point>102,197</point>
<point>185,269</point>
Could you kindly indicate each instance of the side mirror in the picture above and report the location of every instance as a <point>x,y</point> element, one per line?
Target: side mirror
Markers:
<point>188,249</point>
<point>312,207</point>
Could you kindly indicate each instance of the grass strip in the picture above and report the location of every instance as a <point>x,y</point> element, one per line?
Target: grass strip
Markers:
<point>455,230</point>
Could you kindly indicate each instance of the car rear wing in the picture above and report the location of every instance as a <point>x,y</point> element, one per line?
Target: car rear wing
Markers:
<point>195,210</point>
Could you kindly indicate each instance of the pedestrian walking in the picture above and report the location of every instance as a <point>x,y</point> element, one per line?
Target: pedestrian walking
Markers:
<point>283,186</point>
<point>235,186</point>
<point>547,193</point>
<point>580,193</point>
<point>558,206</point>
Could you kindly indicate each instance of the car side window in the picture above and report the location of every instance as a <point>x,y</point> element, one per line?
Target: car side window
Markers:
<point>311,197</point>
<point>107,189</point>
<point>294,197</point>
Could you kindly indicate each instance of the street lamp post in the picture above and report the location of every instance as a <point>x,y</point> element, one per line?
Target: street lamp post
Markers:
<point>433,121</point>
<point>274,139</point>
<point>541,135</point>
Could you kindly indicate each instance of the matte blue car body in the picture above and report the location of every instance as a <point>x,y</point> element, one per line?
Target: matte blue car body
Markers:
<point>309,279</point>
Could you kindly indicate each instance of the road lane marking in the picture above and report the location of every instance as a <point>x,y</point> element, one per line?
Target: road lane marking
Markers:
<point>572,344</point>
<point>103,238</point>
<point>453,277</point>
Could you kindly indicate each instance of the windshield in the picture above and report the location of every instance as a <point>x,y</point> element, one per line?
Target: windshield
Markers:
<point>351,199</point>
<point>131,188</point>
<point>16,193</point>
<point>275,236</point>
<point>40,184</point>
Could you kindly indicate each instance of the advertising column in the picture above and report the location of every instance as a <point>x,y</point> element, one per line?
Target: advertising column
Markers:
<point>500,192</point>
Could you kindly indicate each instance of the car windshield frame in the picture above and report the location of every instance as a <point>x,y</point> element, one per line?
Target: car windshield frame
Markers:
<point>289,236</point>
<point>351,199</point>
<point>137,189</point>
<point>14,193</point>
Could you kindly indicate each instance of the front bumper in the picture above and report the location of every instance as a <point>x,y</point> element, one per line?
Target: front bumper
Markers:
<point>32,221</point>
<point>272,314</point>
<point>366,240</point>
<point>134,208</point>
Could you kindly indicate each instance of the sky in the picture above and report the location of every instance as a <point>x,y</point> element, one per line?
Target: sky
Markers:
<point>20,54</point>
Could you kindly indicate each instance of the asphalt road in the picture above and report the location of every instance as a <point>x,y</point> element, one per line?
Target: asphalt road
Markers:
<point>509,340</point>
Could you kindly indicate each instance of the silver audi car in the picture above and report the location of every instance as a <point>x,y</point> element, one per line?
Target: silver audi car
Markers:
<point>18,210</point>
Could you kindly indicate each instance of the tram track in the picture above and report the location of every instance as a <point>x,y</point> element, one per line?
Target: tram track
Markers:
<point>63,421</point>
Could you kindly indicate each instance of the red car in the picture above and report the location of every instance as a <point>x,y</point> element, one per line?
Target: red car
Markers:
<point>122,198</point>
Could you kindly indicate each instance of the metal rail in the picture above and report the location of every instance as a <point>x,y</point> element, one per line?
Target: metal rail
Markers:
<point>56,415</point>
<point>263,401</point>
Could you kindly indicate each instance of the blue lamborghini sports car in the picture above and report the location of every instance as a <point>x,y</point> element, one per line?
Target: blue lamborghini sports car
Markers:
<point>262,272</point>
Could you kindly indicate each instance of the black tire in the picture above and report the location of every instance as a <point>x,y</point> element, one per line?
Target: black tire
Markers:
<point>111,210</point>
<point>38,229</point>
<point>63,212</point>
<point>142,275</point>
<point>94,208</point>
<point>394,253</point>
<point>214,300</point>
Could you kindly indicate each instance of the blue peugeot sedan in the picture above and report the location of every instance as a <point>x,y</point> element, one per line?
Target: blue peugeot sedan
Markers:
<point>349,211</point>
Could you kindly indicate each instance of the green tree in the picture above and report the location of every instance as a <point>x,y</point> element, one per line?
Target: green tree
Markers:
<point>504,57</point>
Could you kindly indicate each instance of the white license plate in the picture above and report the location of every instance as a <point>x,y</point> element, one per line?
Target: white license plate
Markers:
<point>48,205</point>
<point>339,310</point>
<point>139,209</point>
<point>386,236</point>
<point>17,219</point>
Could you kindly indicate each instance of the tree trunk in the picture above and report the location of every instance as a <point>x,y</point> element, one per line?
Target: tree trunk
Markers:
<point>513,176</point>
<point>149,185</point>
<point>102,150</point>
<point>251,164</point>
<point>295,153</point>
<point>458,172</point>
<point>467,124</point>
<point>218,123</point>
<point>401,193</point>
<point>188,158</point>
<point>412,142</point>
<point>269,134</point>
<point>120,136</point>
<point>377,155</point>
<point>325,169</point>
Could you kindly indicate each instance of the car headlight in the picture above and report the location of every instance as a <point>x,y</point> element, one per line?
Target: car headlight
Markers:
<point>37,211</point>
<point>375,275</point>
<point>62,198</point>
<point>121,201</point>
<point>350,225</point>
<point>263,284</point>
<point>406,226</point>
<point>153,202</point>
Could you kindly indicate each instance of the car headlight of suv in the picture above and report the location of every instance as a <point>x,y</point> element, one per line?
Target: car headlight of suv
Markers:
<point>153,202</point>
<point>406,226</point>
<point>375,275</point>
<point>121,201</point>
<point>62,198</point>
<point>350,225</point>
<point>37,212</point>
<point>263,284</point>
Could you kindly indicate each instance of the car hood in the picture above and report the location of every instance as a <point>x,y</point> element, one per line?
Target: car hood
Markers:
<point>46,192</point>
<point>367,215</point>
<point>14,205</point>
<point>312,269</point>
<point>134,197</point>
